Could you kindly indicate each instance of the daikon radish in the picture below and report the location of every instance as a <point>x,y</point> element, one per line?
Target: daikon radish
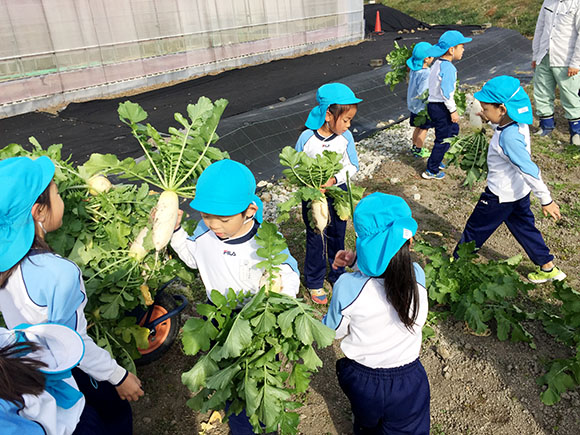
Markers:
<point>165,219</point>
<point>320,214</point>
<point>137,251</point>
<point>274,285</point>
<point>99,184</point>
<point>474,119</point>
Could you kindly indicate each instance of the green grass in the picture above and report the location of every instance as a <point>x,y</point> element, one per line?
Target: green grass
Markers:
<point>520,15</point>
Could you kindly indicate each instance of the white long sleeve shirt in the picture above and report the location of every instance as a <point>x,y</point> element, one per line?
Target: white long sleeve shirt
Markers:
<point>313,144</point>
<point>47,288</point>
<point>231,263</point>
<point>511,172</point>
<point>556,33</point>
<point>442,84</point>
<point>374,336</point>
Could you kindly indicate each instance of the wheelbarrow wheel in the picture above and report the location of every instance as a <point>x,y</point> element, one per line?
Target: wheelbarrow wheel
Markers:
<point>161,339</point>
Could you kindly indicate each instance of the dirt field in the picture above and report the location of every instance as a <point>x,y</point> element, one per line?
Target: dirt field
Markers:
<point>479,385</point>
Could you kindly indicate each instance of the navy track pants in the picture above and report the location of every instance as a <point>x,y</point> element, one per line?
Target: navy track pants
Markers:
<point>489,214</point>
<point>316,257</point>
<point>444,128</point>
<point>105,412</point>
<point>386,401</point>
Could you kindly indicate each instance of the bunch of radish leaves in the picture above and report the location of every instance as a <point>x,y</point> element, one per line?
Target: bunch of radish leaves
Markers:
<point>308,174</point>
<point>563,373</point>
<point>256,358</point>
<point>397,60</point>
<point>469,152</point>
<point>478,293</point>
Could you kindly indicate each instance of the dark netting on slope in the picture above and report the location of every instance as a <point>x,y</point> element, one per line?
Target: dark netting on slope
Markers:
<point>392,20</point>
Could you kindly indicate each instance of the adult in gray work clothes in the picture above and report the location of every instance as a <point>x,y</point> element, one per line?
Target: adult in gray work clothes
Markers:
<point>556,60</point>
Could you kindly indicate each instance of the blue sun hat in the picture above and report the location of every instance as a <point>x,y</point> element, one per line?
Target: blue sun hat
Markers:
<point>449,39</point>
<point>383,224</point>
<point>226,188</point>
<point>61,348</point>
<point>420,52</point>
<point>23,180</point>
<point>331,93</point>
<point>508,91</point>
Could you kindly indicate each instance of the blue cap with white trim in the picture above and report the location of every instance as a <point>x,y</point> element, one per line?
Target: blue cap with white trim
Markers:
<point>507,90</point>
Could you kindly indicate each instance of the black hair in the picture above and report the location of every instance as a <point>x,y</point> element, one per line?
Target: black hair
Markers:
<point>19,374</point>
<point>38,243</point>
<point>336,110</point>
<point>401,286</point>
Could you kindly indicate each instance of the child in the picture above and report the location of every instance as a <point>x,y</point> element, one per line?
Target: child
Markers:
<point>380,311</point>
<point>419,64</point>
<point>512,175</point>
<point>327,129</point>
<point>223,247</point>
<point>556,61</point>
<point>38,286</point>
<point>38,394</point>
<point>441,104</point>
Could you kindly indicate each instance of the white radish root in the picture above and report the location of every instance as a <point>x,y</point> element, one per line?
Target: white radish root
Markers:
<point>137,251</point>
<point>275,285</point>
<point>320,214</point>
<point>99,184</point>
<point>165,219</point>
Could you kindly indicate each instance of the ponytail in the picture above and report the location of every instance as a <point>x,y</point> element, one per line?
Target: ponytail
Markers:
<point>401,286</point>
<point>19,374</point>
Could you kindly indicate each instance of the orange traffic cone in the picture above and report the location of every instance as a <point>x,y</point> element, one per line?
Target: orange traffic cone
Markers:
<point>378,29</point>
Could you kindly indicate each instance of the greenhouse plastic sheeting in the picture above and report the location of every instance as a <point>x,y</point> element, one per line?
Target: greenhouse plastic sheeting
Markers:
<point>56,51</point>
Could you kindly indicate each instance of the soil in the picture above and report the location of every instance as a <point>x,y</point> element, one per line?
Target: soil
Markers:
<point>479,385</point>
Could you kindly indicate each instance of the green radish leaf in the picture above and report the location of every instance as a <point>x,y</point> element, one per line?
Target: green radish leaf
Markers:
<point>131,113</point>
<point>197,335</point>
<point>196,377</point>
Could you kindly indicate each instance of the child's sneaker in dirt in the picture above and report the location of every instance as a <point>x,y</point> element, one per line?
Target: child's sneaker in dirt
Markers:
<point>421,152</point>
<point>442,165</point>
<point>428,175</point>
<point>541,275</point>
<point>318,296</point>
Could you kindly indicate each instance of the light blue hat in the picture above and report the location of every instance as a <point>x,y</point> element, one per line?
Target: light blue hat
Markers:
<point>23,180</point>
<point>61,349</point>
<point>226,188</point>
<point>507,90</point>
<point>420,52</point>
<point>383,224</point>
<point>331,93</point>
<point>449,39</point>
